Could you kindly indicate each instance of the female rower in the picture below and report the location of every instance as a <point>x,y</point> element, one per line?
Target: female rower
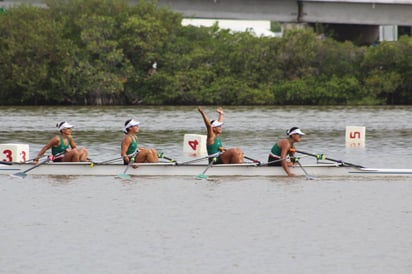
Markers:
<point>284,149</point>
<point>130,149</point>
<point>63,147</point>
<point>214,144</point>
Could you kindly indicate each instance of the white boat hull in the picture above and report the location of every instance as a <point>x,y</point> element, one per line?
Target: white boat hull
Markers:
<point>169,169</point>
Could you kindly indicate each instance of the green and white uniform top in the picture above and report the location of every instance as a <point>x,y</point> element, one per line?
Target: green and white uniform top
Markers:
<point>276,151</point>
<point>132,147</point>
<point>62,147</point>
<point>214,149</point>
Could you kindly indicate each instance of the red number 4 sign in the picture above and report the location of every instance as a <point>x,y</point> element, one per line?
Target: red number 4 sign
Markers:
<point>193,144</point>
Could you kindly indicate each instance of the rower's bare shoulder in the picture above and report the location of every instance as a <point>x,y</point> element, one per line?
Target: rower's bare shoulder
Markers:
<point>55,140</point>
<point>283,143</point>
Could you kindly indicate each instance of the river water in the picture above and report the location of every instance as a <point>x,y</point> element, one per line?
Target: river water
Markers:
<point>226,225</point>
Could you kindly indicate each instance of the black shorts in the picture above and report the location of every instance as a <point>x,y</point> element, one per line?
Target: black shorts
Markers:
<point>58,159</point>
<point>130,158</point>
<point>272,158</point>
<point>217,162</point>
<point>126,163</point>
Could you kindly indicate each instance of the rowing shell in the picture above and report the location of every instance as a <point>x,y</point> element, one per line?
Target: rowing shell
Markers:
<point>171,169</point>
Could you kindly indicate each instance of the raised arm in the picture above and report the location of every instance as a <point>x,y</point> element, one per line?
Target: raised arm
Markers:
<point>205,119</point>
<point>220,111</point>
<point>210,135</point>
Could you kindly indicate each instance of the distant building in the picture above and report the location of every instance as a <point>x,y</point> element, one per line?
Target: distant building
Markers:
<point>258,27</point>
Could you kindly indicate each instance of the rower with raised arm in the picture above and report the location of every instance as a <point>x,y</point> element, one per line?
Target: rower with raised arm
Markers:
<point>129,146</point>
<point>64,146</point>
<point>214,145</point>
<point>284,149</point>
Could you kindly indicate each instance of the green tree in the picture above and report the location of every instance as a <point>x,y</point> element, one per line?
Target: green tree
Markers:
<point>100,52</point>
<point>387,71</point>
<point>33,53</point>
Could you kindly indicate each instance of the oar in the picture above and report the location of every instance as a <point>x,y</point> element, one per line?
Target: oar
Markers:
<point>124,175</point>
<point>161,155</point>
<point>25,162</point>
<point>109,161</point>
<point>323,157</point>
<point>274,161</point>
<point>31,160</point>
<point>193,161</point>
<point>308,177</point>
<point>253,160</point>
<point>23,174</point>
<point>203,175</point>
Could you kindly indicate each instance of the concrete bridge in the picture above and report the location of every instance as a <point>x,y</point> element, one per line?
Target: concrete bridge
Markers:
<point>364,21</point>
<point>361,12</point>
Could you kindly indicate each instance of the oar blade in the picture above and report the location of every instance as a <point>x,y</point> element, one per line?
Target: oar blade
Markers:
<point>124,176</point>
<point>307,175</point>
<point>20,175</point>
<point>310,177</point>
<point>202,176</point>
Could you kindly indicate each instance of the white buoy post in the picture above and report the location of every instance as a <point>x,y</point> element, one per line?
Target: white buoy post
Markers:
<point>355,136</point>
<point>194,145</point>
<point>14,152</point>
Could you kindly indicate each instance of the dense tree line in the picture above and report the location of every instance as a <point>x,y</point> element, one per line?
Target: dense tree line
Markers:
<point>103,51</point>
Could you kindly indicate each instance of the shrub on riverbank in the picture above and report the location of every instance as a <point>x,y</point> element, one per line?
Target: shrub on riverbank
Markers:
<point>103,52</point>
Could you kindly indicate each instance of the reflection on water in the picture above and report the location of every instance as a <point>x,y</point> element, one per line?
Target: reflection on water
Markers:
<point>254,129</point>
